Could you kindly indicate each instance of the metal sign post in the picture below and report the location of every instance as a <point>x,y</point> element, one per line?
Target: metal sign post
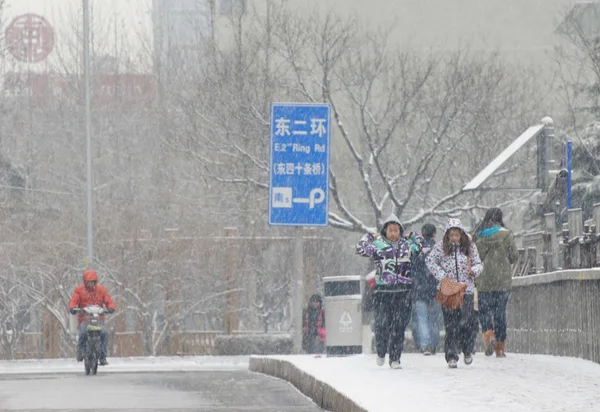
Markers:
<point>569,149</point>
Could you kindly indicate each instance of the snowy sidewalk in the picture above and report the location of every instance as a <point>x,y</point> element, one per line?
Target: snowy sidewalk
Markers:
<point>517,383</point>
<point>129,364</point>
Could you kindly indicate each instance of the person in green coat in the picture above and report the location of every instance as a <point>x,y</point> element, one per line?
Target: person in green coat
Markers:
<point>497,249</point>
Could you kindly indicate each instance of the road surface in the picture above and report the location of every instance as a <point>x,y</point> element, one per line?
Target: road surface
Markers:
<point>238,390</point>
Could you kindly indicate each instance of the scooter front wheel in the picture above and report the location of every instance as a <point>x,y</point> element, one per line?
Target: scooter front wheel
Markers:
<point>94,365</point>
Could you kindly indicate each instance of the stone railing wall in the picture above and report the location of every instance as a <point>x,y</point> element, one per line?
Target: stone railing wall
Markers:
<point>556,313</point>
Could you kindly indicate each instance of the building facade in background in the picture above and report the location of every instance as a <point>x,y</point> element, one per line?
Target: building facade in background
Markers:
<point>522,30</point>
<point>179,27</point>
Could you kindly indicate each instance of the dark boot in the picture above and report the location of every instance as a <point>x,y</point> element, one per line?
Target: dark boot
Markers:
<point>79,355</point>
<point>499,349</point>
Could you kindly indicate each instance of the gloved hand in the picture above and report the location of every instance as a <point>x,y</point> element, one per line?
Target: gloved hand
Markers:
<point>370,250</point>
<point>371,282</point>
<point>110,310</point>
<point>73,311</point>
<point>415,249</point>
<point>322,334</point>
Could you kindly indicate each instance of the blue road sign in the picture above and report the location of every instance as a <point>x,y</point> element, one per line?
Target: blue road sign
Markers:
<point>299,169</point>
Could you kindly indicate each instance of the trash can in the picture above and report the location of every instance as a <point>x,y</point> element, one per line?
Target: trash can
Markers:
<point>368,315</point>
<point>343,315</point>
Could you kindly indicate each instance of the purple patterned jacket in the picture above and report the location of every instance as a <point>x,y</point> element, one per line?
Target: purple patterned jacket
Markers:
<point>393,264</point>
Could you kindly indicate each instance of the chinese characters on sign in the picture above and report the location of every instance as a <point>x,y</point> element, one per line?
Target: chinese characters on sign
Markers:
<point>29,38</point>
<point>317,127</point>
<point>299,178</point>
<point>298,168</point>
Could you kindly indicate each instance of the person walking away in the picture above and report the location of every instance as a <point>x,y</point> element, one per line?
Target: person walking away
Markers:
<point>393,253</point>
<point>87,294</point>
<point>456,258</point>
<point>313,338</point>
<point>424,291</point>
<point>498,251</point>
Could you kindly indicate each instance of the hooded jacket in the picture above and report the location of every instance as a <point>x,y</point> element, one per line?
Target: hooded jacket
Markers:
<point>393,260</point>
<point>82,297</point>
<point>498,251</point>
<point>455,265</point>
<point>314,320</point>
<point>424,283</point>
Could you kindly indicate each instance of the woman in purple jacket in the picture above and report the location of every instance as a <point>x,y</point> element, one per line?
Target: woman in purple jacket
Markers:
<point>456,257</point>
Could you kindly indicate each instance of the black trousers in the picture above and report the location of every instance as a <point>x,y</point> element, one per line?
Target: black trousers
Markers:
<point>312,345</point>
<point>461,329</point>
<point>492,313</point>
<point>392,315</point>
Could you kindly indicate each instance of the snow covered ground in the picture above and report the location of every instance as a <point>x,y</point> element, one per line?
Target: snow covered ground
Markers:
<point>517,383</point>
<point>145,384</point>
<point>132,364</point>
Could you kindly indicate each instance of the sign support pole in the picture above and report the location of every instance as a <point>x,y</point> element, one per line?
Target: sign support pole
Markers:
<point>570,171</point>
<point>297,288</point>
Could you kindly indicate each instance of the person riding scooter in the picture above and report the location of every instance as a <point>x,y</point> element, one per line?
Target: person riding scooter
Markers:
<point>90,293</point>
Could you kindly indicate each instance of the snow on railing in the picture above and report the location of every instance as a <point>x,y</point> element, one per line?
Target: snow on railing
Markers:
<point>574,247</point>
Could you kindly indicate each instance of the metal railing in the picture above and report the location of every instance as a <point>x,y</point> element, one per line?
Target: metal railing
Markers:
<point>575,246</point>
<point>30,345</point>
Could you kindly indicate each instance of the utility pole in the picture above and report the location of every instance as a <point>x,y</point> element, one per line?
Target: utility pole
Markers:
<point>88,131</point>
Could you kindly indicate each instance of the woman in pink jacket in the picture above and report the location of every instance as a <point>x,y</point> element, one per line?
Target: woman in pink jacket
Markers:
<point>456,257</point>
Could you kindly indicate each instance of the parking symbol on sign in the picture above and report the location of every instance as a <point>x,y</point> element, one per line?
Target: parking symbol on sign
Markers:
<point>282,197</point>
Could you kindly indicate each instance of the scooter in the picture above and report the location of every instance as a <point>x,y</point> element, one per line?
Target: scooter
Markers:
<point>93,348</point>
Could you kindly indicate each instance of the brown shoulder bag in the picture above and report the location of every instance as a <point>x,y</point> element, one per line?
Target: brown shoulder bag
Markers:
<point>451,294</point>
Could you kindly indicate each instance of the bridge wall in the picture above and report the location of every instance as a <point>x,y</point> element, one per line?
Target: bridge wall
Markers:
<point>556,313</point>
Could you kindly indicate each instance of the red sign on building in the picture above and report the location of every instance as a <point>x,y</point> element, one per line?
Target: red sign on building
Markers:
<point>30,38</point>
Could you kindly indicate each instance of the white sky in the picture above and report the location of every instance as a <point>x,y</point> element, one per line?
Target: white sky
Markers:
<point>129,20</point>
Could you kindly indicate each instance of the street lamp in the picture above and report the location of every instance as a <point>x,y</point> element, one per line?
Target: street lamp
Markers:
<point>88,138</point>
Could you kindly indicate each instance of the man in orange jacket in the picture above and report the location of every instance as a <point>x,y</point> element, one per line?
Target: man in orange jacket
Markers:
<point>86,294</point>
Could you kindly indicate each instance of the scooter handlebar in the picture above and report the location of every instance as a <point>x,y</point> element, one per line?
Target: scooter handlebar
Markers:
<point>74,311</point>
